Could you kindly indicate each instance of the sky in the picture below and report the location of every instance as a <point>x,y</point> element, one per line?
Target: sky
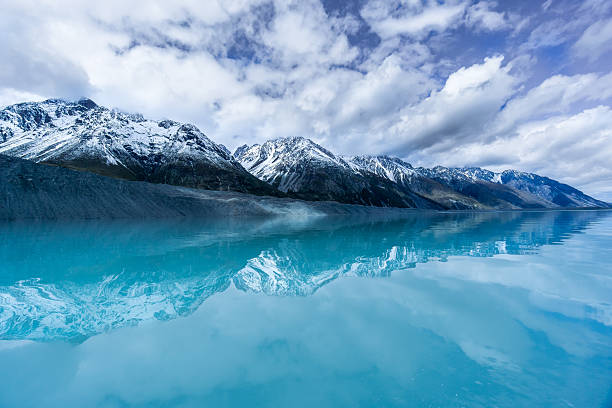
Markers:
<point>508,84</point>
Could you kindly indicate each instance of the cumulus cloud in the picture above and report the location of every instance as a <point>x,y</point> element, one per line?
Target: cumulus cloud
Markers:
<point>557,94</point>
<point>574,149</point>
<point>461,110</point>
<point>414,18</point>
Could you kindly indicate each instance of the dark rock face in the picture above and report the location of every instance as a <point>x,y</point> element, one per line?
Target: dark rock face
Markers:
<point>409,181</point>
<point>87,103</point>
<point>85,136</point>
<point>37,191</point>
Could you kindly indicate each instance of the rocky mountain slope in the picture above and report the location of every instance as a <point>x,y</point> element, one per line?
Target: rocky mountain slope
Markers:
<point>408,179</point>
<point>305,170</point>
<point>84,136</point>
<point>510,188</point>
<point>36,191</point>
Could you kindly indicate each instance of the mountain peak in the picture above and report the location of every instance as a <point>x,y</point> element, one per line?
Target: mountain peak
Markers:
<point>83,135</point>
<point>88,103</point>
<point>297,143</point>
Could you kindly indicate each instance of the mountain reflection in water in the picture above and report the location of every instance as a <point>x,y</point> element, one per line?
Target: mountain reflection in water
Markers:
<point>74,280</point>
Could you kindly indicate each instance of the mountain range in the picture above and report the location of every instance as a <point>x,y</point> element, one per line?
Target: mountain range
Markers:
<point>301,168</point>
<point>83,136</point>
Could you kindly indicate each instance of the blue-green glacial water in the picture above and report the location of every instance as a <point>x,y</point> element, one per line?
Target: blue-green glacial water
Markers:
<point>435,310</point>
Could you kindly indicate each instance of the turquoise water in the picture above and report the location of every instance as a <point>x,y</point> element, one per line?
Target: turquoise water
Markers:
<point>437,310</point>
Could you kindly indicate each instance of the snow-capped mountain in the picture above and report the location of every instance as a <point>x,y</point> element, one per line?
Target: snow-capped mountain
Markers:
<point>276,161</point>
<point>85,136</point>
<point>489,193</point>
<point>511,188</point>
<point>557,193</point>
<point>391,168</point>
<point>305,170</point>
<point>410,180</point>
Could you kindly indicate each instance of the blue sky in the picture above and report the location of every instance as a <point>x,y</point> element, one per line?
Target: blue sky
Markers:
<point>512,84</point>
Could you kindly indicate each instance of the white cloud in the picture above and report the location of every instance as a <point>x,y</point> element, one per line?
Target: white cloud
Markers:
<point>417,18</point>
<point>481,15</point>
<point>302,33</point>
<point>595,41</point>
<point>573,149</point>
<point>461,110</point>
<point>556,94</point>
<point>9,96</point>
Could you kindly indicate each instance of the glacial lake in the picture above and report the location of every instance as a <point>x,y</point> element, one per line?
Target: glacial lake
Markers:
<point>508,309</point>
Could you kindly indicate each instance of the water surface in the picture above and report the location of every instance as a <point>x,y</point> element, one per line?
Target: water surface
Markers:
<point>461,310</point>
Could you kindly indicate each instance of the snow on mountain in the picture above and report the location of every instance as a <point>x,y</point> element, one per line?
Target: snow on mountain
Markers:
<point>410,180</point>
<point>391,168</point>
<point>557,193</point>
<point>304,169</point>
<point>276,161</point>
<point>511,188</point>
<point>476,173</point>
<point>85,136</point>
<point>481,186</point>
<point>553,192</point>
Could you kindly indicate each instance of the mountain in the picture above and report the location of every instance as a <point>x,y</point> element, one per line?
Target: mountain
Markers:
<point>36,191</point>
<point>491,194</point>
<point>410,180</point>
<point>305,170</point>
<point>84,136</point>
<point>511,188</point>
<point>551,190</point>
